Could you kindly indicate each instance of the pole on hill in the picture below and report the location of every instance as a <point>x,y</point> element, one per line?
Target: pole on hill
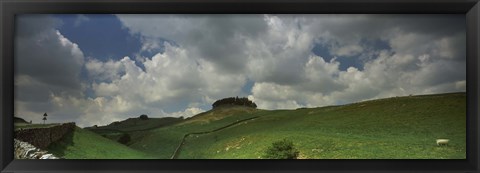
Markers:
<point>44,117</point>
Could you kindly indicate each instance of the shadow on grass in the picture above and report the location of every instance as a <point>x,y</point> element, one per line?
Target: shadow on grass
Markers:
<point>58,148</point>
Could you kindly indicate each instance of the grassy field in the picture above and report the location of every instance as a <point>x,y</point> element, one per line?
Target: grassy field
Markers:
<point>163,141</point>
<point>392,128</point>
<point>84,144</point>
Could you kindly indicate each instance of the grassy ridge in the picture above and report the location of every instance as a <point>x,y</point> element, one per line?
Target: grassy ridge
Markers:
<point>137,124</point>
<point>401,127</point>
<point>84,144</point>
<point>135,127</point>
<point>164,141</point>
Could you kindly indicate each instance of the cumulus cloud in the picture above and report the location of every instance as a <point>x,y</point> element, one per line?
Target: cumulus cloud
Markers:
<point>348,50</point>
<point>417,62</point>
<point>197,33</point>
<point>171,80</point>
<point>196,59</point>
<point>103,71</point>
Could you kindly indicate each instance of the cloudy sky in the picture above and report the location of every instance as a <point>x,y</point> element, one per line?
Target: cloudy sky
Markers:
<point>95,69</point>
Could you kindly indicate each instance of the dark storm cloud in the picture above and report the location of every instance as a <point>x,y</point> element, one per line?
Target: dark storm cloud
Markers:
<point>45,55</point>
<point>343,31</point>
<point>349,27</point>
<point>440,25</point>
<point>30,90</point>
<point>29,26</point>
<point>41,107</point>
<point>47,69</point>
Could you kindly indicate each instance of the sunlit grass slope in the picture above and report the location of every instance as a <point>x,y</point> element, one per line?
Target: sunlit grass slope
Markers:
<point>163,141</point>
<point>398,128</point>
<point>84,144</point>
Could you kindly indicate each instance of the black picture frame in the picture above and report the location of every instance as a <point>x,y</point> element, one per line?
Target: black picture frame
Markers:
<point>10,8</point>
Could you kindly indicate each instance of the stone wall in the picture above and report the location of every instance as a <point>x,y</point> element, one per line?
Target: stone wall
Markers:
<point>24,150</point>
<point>43,137</point>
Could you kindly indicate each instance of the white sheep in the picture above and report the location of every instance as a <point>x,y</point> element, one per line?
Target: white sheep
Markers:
<point>442,141</point>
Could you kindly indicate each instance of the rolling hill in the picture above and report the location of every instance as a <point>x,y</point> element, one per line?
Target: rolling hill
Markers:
<point>134,127</point>
<point>390,128</point>
<point>399,128</point>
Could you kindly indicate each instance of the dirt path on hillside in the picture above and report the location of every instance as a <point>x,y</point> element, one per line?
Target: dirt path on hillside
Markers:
<point>177,150</point>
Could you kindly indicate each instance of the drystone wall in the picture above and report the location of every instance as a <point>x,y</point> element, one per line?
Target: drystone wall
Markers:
<point>43,137</point>
<point>24,150</point>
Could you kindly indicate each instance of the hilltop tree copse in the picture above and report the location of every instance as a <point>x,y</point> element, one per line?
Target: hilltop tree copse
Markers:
<point>234,101</point>
<point>143,117</point>
<point>283,149</point>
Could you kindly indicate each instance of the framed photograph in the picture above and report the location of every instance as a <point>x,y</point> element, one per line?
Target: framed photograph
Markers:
<point>239,86</point>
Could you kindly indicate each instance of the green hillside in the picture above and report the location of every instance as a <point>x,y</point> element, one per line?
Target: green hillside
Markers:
<point>399,127</point>
<point>83,144</point>
<point>138,124</point>
<point>135,127</point>
<point>164,141</point>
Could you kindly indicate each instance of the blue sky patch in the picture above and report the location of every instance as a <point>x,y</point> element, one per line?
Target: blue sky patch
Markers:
<point>345,62</point>
<point>100,36</point>
<point>247,88</point>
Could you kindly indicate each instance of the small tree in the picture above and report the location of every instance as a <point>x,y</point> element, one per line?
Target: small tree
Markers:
<point>124,139</point>
<point>44,117</point>
<point>283,149</point>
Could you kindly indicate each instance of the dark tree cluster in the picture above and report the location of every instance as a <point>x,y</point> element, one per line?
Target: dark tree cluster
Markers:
<point>124,139</point>
<point>234,101</point>
<point>143,117</point>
